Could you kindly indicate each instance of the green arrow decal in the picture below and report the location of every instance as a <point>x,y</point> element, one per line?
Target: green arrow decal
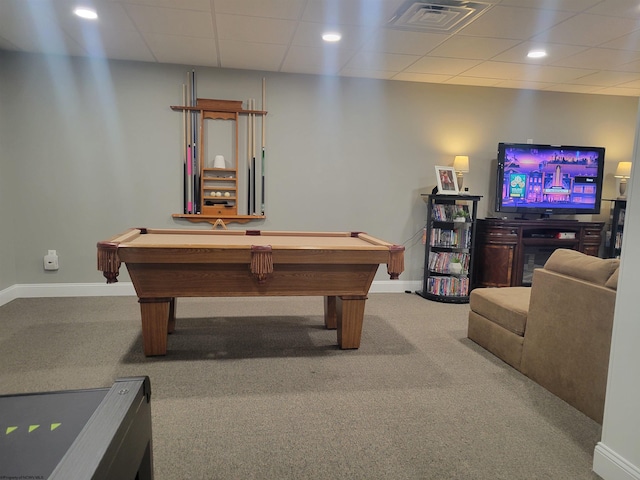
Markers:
<point>10,429</point>
<point>33,427</point>
<point>54,426</point>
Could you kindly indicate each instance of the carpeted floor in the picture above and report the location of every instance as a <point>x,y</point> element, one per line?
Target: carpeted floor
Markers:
<point>257,389</point>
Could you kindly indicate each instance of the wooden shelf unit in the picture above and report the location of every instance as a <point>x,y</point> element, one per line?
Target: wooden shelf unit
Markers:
<point>217,219</point>
<point>618,211</point>
<point>219,187</point>
<point>448,241</point>
<point>508,250</point>
<point>218,180</point>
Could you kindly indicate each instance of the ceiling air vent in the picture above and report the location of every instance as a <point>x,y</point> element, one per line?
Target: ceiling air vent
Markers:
<point>438,16</point>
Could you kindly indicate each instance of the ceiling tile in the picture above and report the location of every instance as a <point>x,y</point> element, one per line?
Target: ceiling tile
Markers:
<point>284,9</point>
<point>599,58</point>
<point>388,40</point>
<point>588,30</point>
<point>625,92</point>
<point>121,45</point>
<point>555,52</point>
<point>629,67</point>
<point>569,5</point>
<point>112,35</point>
<point>111,16</point>
<point>421,77</point>
<point>513,22</point>
<point>350,12</point>
<point>625,42</point>
<point>251,56</point>
<point>379,74</point>
<point>476,81</point>
<point>573,88</point>
<point>309,34</point>
<point>442,65</point>
<point>521,72</point>
<point>182,50</point>
<point>523,84</point>
<point>607,79</point>
<point>321,61</point>
<point>33,27</point>
<point>171,21</point>
<point>616,8</point>
<point>632,84</point>
<point>201,5</point>
<point>381,61</point>
<point>254,29</point>
<point>484,48</point>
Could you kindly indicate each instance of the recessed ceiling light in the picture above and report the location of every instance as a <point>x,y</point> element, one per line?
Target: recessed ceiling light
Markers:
<point>331,37</point>
<point>87,13</point>
<point>537,54</point>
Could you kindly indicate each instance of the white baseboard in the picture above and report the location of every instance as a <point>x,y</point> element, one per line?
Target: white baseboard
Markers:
<point>611,466</point>
<point>65,290</point>
<point>394,286</point>
<point>126,288</point>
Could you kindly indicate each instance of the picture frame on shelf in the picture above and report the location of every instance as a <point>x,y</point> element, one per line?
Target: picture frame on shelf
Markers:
<point>447,180</point>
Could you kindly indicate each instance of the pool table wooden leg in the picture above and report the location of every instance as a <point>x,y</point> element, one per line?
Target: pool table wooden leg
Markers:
<point>172,316</point>
<point>155,324</point>
<point>330,313</point>
<point>350,315</point>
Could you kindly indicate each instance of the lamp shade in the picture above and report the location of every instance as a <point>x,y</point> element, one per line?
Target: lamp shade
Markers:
<point>461,163</point>
<point>623,170</point>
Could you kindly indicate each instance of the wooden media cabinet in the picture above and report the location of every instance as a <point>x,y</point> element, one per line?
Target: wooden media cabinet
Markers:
<point>507,251</point>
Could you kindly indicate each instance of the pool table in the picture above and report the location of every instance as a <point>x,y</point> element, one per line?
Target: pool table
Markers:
<point>164,264</point>
<point>78,434</point>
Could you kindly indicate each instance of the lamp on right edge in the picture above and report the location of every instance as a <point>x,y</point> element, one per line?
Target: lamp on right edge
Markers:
<point>623,172</point>
<point>461,166</point>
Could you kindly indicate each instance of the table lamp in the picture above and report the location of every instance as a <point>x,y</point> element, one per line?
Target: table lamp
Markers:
<point>623,172</point>
<point>461,166</point>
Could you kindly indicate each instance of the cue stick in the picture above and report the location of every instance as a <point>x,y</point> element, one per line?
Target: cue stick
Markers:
<point>253,159</point>
<point>195,150</point>
<point>184,150</point>
<point>189,161</point>
<point>249,159</point>
<point>264,108</point>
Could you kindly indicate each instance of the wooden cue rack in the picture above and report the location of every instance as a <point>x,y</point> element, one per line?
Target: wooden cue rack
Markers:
<point>219,187</point>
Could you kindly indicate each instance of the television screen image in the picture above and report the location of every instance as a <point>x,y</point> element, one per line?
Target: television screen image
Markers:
<point>549,179</point>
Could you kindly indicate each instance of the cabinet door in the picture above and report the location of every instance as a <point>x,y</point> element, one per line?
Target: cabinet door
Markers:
<point>495,265</point>
<point>591,250</point>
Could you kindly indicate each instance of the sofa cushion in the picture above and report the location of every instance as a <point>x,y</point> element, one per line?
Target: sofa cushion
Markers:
<point>505,306</point>
<point>613,280</point>
<point>584,267</point>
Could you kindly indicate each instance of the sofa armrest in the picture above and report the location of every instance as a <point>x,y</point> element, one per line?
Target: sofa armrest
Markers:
<point>568,339</point>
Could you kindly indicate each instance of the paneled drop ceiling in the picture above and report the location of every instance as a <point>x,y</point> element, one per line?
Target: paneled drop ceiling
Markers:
<point>593,46</point>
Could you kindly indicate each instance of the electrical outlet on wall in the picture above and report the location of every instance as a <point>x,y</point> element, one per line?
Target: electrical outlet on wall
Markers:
<point>51,260</point>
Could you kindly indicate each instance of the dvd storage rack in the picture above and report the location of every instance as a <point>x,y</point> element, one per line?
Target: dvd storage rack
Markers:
<point>449,247</point>
<point>614,235</point>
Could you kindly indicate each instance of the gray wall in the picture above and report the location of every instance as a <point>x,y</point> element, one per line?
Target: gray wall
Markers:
<point>617,456</point>
<point>8,275</point>
<point>90,149</point>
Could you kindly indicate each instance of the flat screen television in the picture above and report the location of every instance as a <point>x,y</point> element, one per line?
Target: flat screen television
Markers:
<point>549,179</point>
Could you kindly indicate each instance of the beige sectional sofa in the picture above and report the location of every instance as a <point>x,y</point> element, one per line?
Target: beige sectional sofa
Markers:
<point>558,331</point>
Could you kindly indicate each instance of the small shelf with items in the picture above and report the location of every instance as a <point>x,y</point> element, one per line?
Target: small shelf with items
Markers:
<point>449,241</point>
<point>219,191</point>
